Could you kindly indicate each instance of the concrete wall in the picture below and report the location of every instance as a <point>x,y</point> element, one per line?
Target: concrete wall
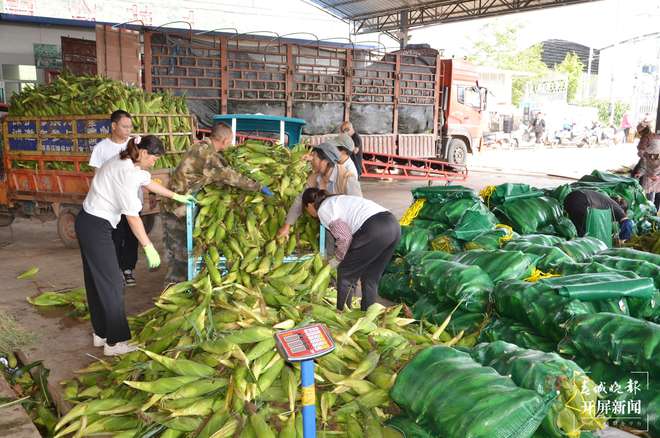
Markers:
<point>16,40</point>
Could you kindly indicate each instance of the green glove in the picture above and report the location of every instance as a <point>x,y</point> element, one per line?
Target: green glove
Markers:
<point>184,199</point>
<point>153,259</point>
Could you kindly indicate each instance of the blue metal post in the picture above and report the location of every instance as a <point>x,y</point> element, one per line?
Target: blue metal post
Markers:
<point>308,399</point>
<point>190,209</point>
<point>322,240</point>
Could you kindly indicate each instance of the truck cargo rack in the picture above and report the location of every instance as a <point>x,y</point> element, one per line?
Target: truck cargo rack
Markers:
<point>384,166</point>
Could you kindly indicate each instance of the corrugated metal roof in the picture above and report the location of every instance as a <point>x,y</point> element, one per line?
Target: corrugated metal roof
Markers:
<point>385,15</point>
<point>356,9</point>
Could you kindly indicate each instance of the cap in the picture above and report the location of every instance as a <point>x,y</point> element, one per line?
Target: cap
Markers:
<point>344,141</point>
<point>330,150</point>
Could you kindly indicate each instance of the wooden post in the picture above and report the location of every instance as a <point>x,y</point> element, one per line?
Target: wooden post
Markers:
<point>397,93</point>
<point>289,80</point>
<point>169,133</point>
<point>436,96</point>
<point>224,75</point>
<point>348,84</point>
<point>148,57</point>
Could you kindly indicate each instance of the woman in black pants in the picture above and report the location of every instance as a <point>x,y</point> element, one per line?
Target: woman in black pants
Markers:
<point>365,237</point>
<point>113,193</point>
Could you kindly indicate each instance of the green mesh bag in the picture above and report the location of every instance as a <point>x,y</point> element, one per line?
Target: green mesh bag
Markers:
<point>412,240</point>
<point>473,223</point>
<point>493,239</point>
<point>452,282</point>
<point>541,239</point>
<point>631,343</point>
<point>468,322</point>
<point>508,192</point>
<point>505,329</point>
<point>449,212</point>
<point>499,264</point>
<point>546,373</point>
<point>456,397</point>
<point>396,287</point>
<point>634,254</point>
<point>408,428</point>
<point>582,248</point>
<point>546,306</point>
<point>639,267</point>
<point>443,194</point>
<point>565,228</point>
<point>549,257</point>
<point>529,215</point>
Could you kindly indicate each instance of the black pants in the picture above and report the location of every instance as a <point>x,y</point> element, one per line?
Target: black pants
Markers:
<point>126,245</point>
<point>370,252</point>
<point>104,282</point>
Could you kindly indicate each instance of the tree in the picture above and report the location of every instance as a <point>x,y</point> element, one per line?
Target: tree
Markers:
<point>573,67</point>
<point>498,47</point>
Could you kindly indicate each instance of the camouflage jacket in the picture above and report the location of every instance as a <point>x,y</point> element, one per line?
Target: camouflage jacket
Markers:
<point>202,165</point>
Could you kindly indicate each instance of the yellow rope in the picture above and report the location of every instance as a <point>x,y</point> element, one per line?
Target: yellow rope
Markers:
<point>412,212</point>
<point>509,233</point>
<point>539,275</point>
<point>486,193</point>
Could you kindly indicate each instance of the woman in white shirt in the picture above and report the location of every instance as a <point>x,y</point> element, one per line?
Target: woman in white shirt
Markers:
<point>365,237</point>
<point>114,192</point>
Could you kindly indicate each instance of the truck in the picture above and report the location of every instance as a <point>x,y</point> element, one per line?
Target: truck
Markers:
<point>44,171</point>
<point>405,104</point>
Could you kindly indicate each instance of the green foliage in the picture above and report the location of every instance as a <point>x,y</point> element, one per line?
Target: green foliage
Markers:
<point>573,67</point>
<point>497,46</point>
<point>604,110</point>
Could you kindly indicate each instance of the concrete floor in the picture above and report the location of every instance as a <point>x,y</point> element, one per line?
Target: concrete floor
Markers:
<point>64,344</point>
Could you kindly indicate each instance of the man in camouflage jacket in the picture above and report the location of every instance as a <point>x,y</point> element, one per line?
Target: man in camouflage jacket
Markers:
<point>201,165</point>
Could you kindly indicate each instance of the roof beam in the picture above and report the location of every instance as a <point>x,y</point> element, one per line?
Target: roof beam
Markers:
<point>433,12</point>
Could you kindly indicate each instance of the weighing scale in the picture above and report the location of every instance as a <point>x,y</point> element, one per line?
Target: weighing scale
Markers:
<point>303,345</point>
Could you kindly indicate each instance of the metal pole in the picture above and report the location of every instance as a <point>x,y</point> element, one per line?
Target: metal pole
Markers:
<point>308,399</point>
<point>189,239</point>
<point>403,29</point>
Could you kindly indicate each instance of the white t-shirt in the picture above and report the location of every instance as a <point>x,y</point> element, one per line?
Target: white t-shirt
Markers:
<point>105,150</point>
<point>114,190</point>
<point>353,210</point>
<point>350,166</point>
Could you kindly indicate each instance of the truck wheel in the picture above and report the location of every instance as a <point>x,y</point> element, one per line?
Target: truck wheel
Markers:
<point>6,219</point>
<point>457,151</point>
<point>148,220</point>
<point>66,226</point>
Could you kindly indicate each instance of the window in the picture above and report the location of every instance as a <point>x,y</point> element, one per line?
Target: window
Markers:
<point>469,96</point>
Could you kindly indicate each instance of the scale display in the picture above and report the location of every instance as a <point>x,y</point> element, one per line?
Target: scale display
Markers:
<point>304,343</point>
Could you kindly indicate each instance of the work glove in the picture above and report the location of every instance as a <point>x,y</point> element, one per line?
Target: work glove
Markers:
<point>184,199</point>
<point>153,259</point>
<point>266,191</point>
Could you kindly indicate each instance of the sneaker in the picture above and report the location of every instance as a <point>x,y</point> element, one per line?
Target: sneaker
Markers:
<point>118,349</point>
<point>128,278</point>
<point>98,341</point>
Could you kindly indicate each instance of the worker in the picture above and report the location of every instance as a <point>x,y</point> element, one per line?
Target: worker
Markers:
<point>582,207</point>
<point>113,193</point>
<point>356,154</point>
<point>345,145</point>
<point>539,127</point>
<point>649,169</point>
<point>126,245</point>
<point>201,165</point>
<point>325,175</point>
<point>365,234</point>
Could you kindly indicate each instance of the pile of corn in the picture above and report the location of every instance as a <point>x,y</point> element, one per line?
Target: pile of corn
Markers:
<point>208,366</point>
<point>92,95</point>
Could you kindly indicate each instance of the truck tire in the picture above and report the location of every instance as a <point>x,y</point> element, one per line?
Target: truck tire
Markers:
<point>457,152</point>
<point>66,226</point>
<point>149,220</point>
<point>6,219</point>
